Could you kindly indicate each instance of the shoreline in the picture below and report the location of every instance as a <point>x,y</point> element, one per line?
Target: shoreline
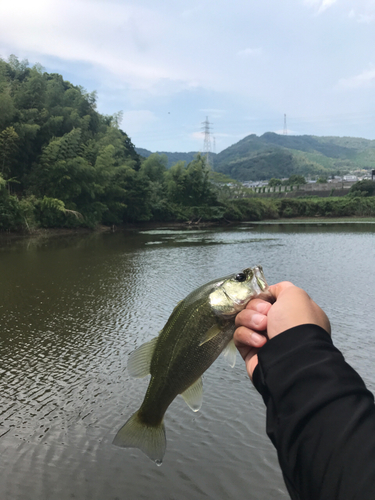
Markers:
<point>52,232</point>
<point>63,231</point>
<point>315,220</point>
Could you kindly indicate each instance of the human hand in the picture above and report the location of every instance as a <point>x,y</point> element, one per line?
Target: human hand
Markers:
<point>261,320</point>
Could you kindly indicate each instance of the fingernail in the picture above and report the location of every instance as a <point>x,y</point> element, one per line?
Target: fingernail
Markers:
<point>262,307</point>
<point>257,319</point>
<point>257,339</point>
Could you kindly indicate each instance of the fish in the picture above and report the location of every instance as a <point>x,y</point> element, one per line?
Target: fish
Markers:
<point>200,328</point>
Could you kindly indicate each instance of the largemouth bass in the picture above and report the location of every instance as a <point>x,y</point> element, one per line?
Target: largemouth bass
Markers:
<point>198,330</point>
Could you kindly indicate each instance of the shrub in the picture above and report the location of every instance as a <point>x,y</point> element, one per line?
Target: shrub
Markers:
<point>363,188</point>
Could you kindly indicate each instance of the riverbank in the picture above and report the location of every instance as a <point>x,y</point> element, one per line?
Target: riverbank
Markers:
<point>220,213</point>
<point>50,232</point>
<point>59,232</point>
<point>68,232</point>
<point>316,220</point>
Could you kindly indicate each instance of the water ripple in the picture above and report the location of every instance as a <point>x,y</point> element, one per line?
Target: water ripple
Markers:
<point>72,311</point>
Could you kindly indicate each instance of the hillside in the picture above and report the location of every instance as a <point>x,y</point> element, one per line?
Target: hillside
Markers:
<point>273,155</point>
<point>63,164</point>
<point>172,157</point>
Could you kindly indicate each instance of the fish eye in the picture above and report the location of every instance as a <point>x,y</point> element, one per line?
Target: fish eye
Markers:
<point>240,277</point>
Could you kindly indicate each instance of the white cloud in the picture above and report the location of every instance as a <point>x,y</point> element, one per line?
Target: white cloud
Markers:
<point>321,5</point>
<point>367,16</point>
<point>362,11</point>
<point>363,80</point>
<point>152,57</point>
<point>121,39</point>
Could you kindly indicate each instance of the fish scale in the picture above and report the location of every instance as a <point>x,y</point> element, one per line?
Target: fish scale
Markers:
<point>199,329</point>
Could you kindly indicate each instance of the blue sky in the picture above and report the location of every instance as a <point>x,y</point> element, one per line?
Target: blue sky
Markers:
<point>167,64</point>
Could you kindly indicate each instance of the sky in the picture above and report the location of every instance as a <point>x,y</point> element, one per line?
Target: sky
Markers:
<point>243,65</point>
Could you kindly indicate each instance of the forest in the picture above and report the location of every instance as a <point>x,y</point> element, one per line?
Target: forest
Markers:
<point>63,164</point>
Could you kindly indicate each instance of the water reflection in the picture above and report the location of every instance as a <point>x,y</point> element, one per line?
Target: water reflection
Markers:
<point>73,308</point>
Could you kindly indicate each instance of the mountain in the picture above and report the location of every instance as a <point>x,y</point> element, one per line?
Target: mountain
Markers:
<point>172,157</point>
<point>274,155</point>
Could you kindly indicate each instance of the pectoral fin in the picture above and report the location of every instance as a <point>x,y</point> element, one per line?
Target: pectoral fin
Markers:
<point>211,333</point>
<point>193,396</point>
<point>230,353</point>
<point>140,360</point>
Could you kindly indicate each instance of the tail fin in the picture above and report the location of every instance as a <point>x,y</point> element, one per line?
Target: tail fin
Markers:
<point>149,439</point>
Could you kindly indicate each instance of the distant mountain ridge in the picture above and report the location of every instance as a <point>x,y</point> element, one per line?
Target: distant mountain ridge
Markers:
<point>172,157</point>
<point>273,155</point>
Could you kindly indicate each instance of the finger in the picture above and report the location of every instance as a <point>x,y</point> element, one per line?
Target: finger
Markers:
<point>244,338</point>
<point>251,319</point>
<point>279,287</point>
<point>293,307</point>
<point>259,305</point>
<point>251,362</point>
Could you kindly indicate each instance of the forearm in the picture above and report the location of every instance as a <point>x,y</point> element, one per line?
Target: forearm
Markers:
<point>320,416</point>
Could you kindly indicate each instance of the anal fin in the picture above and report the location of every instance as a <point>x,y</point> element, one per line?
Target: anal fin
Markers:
<point>193,395</point>
<point>230,353</point>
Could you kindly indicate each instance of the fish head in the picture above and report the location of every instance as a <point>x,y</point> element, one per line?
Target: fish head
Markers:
<point>234,292</point>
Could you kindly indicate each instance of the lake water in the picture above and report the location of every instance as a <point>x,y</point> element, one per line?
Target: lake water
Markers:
<point>72,308</point>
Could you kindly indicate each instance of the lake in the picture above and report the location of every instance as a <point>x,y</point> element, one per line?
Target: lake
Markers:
<point>72,308</point>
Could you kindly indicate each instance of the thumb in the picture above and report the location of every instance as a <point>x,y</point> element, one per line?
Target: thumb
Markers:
<point>278,288</point>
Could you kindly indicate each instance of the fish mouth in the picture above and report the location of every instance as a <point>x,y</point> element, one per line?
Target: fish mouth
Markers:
<point>257,282</point>
<point>234,293</point>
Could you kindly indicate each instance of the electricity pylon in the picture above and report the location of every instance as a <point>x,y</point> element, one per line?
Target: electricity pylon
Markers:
<point>285,131</point>
<point>207,140</point>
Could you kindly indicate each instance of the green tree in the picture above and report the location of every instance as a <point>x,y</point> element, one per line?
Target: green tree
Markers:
<point>61,173</point>
<point>155,166</point>
<point>31,94</point>
<point>175,179</point>
<point>296,180</point>
<point>198,186</point>
<point>8,146</point>
<point>363,188</point>
<point>138,196</point>
<point>274,182</point>
<point>58,147</point>
<point>190,185</point>
<point>7,108</point>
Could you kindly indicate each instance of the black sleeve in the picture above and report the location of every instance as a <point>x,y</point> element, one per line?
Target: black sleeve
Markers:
<point>320,416</point>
